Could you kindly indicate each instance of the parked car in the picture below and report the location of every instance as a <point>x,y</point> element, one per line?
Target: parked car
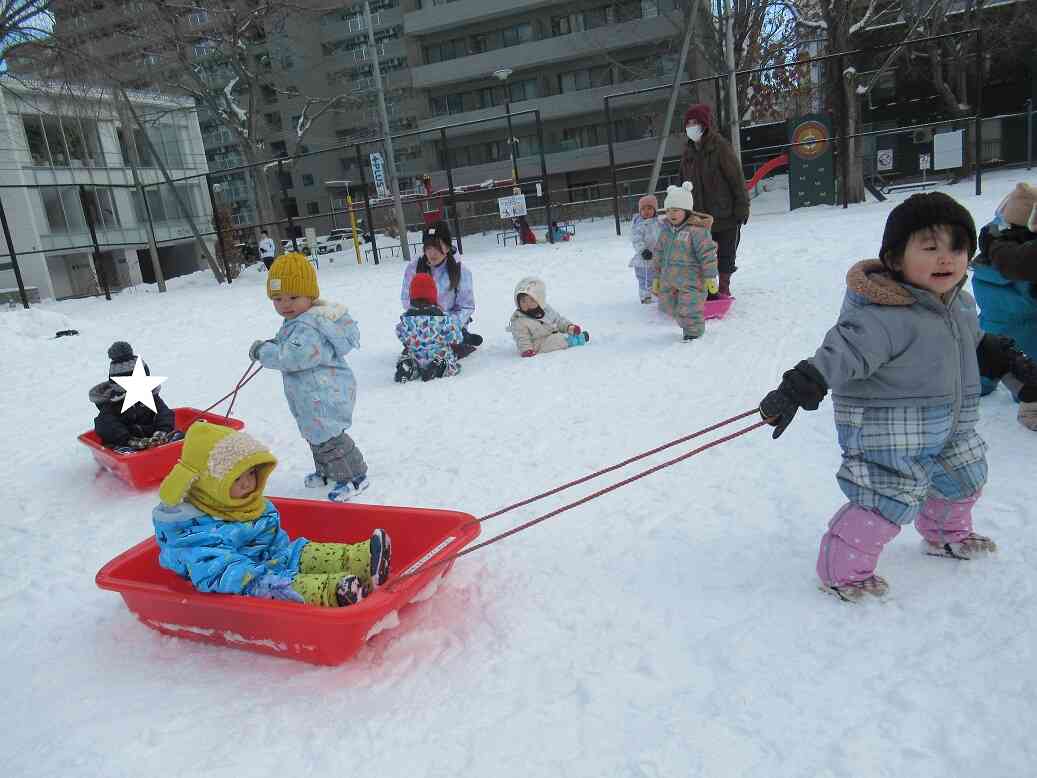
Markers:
<point>338,240</point>
<point>301,245</point>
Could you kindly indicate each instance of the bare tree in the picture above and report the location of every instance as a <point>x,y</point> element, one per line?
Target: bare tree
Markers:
<point>842,21</point>
<point>22,21</point>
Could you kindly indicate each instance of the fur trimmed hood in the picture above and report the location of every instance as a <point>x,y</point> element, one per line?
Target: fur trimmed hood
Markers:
<point>870,279</point>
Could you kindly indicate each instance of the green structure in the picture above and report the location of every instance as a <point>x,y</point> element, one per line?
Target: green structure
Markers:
<point>811,163</point>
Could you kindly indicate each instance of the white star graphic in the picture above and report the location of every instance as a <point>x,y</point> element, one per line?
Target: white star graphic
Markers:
<point>139,387</point>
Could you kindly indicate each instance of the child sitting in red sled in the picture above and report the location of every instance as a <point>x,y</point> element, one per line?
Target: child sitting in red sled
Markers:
<point>139,427</point>
<point>215,528</point>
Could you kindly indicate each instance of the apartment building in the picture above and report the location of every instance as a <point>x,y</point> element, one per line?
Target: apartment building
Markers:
<point>564,58</point>
<point>56,138</point>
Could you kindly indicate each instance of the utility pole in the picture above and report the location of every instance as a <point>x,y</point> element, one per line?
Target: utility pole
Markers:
<point>732,82</point>
<point>394,183</point>
<point>653,182</point>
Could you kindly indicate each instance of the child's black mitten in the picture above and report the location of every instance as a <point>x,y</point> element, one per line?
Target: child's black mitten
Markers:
<point>801,387</point>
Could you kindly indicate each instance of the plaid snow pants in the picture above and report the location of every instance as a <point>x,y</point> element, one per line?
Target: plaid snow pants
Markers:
<point>894,457</point>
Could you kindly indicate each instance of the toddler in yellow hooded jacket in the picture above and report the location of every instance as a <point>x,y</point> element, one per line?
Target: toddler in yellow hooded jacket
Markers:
<point>215,528</point>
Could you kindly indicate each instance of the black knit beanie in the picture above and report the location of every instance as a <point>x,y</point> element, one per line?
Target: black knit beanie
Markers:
<point>923,211</point>
<point>123,359</point>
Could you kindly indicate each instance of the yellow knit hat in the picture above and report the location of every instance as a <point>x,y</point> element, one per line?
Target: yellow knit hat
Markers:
<point>212,459</point>
<point>292,275</point>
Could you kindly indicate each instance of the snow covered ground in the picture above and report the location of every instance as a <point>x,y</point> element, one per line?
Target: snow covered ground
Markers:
<point>671,628</point>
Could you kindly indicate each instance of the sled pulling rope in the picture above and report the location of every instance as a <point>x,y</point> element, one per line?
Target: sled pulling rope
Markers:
<point>233,394</point>
<point>593,495</point>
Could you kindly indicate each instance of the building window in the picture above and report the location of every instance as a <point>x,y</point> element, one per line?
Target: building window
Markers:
<point>312,208</point>
<point>307,179</point>
<point>446,50</point>
<point>585,78</point>
<point>64,208</point>
<point>278,148</point>
<point>447,104</point>
<point>198,17</point>
<point>203,49</point>
<point>63,141</point>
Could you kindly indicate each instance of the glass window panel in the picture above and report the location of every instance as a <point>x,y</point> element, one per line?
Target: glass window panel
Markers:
<point>55,141</point>
<point>73,209</point>
<point>51,197</point>
<point>36,140</point>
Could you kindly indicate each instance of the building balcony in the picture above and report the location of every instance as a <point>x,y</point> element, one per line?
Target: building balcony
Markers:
<point>436,18</point>
<point>528,57</point>
<point>584,101</point>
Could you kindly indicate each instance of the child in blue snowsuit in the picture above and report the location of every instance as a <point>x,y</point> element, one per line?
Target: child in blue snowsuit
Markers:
<point>215,528</point>
<point>427,335</point>
<point>903,363</point>
<point>1005,284</point>
<point>309,350</point>
<point>644,235</point>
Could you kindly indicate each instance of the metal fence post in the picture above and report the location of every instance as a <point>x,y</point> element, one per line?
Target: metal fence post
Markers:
<point>88,212</point>
<point>543,177</point>
<point>14,256</point>
<point>450,186</point>
<point>284,203</point>
<point>612,164</point>
<point>979,110</point>
<point>221,249</point>
<point>367,203</point>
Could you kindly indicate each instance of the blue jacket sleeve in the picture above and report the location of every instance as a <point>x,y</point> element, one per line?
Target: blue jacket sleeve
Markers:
<point>302,350</point>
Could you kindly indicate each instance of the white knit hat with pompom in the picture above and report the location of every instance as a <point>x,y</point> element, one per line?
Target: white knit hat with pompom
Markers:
<point>679,197</point>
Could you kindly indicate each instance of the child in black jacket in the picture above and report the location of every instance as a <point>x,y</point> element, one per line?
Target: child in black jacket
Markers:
<point>138,428</point>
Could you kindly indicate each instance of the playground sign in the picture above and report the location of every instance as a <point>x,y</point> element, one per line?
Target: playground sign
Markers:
<point>512,206</point>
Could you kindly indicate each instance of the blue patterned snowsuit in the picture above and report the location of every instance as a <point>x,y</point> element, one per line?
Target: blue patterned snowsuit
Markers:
<point>427,333</point>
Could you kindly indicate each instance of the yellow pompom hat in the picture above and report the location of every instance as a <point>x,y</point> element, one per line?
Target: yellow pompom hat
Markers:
<point>292,275</point>
<point>212,459</point>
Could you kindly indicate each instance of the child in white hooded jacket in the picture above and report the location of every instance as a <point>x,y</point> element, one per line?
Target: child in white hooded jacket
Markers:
<point>536,326</point>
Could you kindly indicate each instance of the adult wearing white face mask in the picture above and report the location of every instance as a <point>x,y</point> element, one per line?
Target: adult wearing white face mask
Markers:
<point>709,162</point>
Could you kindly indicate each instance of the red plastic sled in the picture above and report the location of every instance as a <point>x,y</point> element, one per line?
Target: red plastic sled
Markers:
<point>717,309</point>
<point>325,636</point>
<point>145,469</point>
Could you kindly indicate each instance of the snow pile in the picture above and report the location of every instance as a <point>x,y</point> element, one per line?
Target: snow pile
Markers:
<point>36,323</point>
<point>670,628</point>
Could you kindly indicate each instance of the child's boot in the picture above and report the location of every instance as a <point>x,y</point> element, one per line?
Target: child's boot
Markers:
<point>381,556</point>
<point>315,481</point>
<point>349,591</point>
<point>688,337</point>
<point>724,292</point>
<point>406,369</point>
<point>344,491</point>
<point>578,339</point>
<point>946,527</point>
<point>850,550</point>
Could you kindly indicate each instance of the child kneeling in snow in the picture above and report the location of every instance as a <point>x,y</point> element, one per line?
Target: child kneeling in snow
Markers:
<point>427,334</point>
<point>310,351</point>
<point>685,263</point>
<point>139,427</point>
<point>536,326</point>
<point>903,363</point>
<point>215,528</point>
<point>1005,285</point>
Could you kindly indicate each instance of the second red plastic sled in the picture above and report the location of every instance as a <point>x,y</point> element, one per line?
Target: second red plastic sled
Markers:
<point>717,309</point>
<point>145,469</point>
<point>326,636</point>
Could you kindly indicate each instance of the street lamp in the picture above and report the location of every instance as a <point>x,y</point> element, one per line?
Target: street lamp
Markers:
<point>502,74</point>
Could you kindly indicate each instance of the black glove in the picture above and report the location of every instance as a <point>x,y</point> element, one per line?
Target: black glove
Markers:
<point>801,387</point>
<point>998,355</point>
<point>646,255</point>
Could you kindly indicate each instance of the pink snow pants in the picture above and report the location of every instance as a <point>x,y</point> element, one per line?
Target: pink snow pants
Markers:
<point>850,548</point>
